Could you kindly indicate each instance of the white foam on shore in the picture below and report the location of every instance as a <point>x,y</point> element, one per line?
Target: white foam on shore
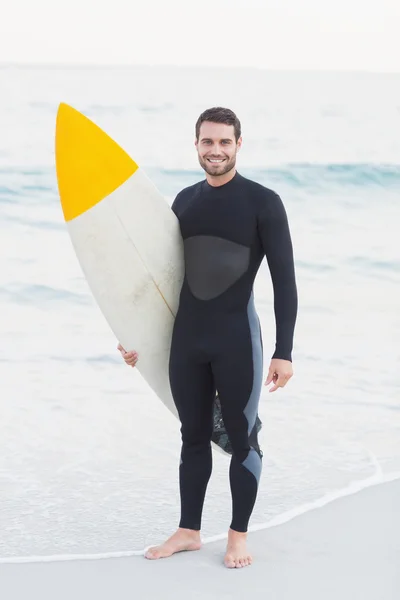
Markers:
<point>353,488</point>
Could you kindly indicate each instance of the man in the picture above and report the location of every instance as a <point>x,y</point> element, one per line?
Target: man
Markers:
<point>228,224</point>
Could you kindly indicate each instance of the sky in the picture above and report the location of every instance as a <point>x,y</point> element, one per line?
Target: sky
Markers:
<point>271,34</point>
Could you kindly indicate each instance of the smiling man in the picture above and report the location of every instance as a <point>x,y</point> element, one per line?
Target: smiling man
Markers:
<point>228,224</point>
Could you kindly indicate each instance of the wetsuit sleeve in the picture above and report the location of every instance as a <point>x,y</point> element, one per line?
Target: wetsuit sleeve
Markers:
<point>176,204</point>
<point>277,244</point>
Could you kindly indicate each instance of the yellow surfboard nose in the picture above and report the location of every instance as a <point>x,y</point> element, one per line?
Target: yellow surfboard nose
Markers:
<point>89,164</point>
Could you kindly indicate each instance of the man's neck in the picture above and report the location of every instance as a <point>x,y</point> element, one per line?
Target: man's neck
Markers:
<point>217,181</point>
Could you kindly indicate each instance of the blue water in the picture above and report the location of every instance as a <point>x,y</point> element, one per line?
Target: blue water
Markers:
<point>88,455</point>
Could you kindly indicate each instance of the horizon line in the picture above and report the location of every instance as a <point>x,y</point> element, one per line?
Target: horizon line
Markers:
<point>89,65</point>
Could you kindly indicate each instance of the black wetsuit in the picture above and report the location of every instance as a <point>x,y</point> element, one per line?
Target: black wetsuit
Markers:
<point>216,342</point>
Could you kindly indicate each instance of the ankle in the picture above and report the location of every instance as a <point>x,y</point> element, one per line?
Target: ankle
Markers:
<point>190,532</point>
<point>232,534</point>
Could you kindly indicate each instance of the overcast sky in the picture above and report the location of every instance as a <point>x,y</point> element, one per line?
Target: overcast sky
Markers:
<point>274,34</point>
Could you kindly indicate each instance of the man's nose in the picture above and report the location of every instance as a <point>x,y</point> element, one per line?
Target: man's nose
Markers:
<point>216,149</point>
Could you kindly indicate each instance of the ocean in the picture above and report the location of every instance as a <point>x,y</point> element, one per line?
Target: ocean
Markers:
<point>88,455</point>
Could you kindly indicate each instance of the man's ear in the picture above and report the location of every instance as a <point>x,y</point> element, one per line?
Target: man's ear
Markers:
<point>239,143</point>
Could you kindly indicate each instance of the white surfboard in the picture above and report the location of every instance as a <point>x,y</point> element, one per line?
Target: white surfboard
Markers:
<point>127,240</point>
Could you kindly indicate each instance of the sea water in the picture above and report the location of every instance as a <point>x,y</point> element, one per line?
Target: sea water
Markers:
<point>88,455</point>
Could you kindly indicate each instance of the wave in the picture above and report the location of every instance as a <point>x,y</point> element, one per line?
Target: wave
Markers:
<point>40,295</point>
<point>363,262</point>
<point>310,175</point>
<point>378,478</point>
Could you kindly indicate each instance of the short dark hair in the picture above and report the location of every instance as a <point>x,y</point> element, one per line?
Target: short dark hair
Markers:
<point>219,115</point>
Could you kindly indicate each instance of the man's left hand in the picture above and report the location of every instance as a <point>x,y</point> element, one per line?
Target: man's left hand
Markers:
<point>280,371</point>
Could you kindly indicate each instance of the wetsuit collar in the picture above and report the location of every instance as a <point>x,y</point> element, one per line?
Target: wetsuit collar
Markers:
<point>225,186</point>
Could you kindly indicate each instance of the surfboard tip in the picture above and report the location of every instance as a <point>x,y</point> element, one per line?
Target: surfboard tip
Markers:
<point>90,165</point>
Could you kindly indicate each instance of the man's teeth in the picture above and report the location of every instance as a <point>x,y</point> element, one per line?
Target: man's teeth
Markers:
<point>216,161</point>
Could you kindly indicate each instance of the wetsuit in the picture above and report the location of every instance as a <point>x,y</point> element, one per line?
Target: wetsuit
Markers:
<point>216,341</point>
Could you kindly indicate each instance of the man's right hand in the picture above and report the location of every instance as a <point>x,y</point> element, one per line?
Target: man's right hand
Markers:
<point>130,357</point>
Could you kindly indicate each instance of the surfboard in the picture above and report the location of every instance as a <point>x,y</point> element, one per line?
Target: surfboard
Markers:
<point>128,244</point>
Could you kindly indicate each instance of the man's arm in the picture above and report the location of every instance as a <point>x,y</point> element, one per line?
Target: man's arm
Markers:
<point>175,206</point>
<point>277,244</point>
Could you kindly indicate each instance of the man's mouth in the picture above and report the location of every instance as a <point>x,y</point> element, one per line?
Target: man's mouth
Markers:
<point>215,161</point>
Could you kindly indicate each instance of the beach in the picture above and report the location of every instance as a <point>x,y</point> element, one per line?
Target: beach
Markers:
<point>348,549</point>
<point>89,456</point>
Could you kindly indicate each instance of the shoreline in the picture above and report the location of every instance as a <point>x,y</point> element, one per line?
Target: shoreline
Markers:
<point>355,487</point>
<point>346,549</point>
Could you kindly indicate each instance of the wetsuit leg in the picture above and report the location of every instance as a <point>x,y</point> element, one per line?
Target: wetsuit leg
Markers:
<point>193,390</point>
<point>238,373</point>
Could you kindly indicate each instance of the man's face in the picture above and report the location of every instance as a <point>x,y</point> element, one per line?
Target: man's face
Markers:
<point>217,148</point>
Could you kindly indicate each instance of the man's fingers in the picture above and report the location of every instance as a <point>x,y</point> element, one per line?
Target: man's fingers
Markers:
<point>130,358</point>
<point>270,376</point>
<point>277,385</point>
<point>280,382</point>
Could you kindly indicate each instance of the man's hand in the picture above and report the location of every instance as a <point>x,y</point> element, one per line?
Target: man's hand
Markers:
<point>280,371</point>
<point>130,358</point>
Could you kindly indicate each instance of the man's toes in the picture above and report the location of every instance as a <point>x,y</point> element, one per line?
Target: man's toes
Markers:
<point>237,563</point>
<point>152,553</point>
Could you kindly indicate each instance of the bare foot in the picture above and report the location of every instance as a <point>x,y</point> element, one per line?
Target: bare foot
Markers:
<point>183,539</point>
<point>237,555</point>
